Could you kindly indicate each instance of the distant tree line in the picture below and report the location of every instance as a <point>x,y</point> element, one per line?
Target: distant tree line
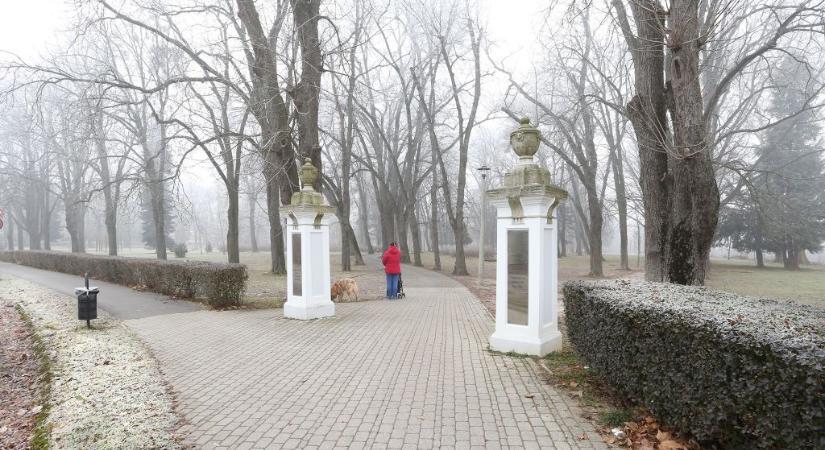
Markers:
<point>696,121</point>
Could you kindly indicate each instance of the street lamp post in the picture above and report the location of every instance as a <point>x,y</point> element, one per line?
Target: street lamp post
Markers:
<point>483,171</point>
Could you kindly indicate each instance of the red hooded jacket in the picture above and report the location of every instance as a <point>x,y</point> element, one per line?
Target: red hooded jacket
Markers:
<point>392,260</point>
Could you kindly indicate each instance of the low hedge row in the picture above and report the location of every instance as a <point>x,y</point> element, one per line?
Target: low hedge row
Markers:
<point>734,372</point>
<point>218,285</point>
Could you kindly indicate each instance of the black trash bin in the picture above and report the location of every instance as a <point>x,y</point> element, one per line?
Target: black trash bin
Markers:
<point>87,302</point>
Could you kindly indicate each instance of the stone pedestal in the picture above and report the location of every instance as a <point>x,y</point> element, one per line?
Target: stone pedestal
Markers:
<point>527,254</point>
<point>307,251</point>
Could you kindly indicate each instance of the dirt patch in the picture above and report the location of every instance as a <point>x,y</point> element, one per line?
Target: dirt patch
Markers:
<point>20,384</point>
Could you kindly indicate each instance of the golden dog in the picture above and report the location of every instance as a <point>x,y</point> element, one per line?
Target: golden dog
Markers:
<point>344,288</point>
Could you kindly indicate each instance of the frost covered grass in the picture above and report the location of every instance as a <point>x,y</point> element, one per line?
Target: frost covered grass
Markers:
<point>107,390</point>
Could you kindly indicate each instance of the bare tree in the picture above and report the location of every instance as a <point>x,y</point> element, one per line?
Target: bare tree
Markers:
<point>670,117</point>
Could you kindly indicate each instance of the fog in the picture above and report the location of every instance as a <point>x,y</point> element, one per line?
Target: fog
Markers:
<point>140,127</point>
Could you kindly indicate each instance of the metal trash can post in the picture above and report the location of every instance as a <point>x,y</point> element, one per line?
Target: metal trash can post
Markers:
<point>86,302</point>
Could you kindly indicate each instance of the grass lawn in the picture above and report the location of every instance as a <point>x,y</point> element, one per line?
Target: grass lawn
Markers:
<point>806,285</point>
<point>265,290</point>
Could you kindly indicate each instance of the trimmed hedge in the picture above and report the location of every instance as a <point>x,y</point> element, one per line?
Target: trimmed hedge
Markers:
<point>218,285</point>
<point>734,372</point>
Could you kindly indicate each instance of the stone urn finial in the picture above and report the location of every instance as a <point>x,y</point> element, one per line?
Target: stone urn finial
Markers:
<point>525,140</point>
<point>309,174</point>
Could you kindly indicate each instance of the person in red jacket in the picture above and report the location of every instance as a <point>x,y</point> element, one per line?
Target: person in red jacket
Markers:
<point>392,267</point>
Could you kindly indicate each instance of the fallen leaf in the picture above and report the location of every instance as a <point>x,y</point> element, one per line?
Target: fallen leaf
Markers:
<point>573,384</point>
<point>671,445</point>
<point>583,437</point>
<point>529,396</point>
<point>577,393</point>
<point>644,444</point>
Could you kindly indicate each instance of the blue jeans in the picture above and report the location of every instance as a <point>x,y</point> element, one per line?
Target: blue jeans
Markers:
<point>392,285</point>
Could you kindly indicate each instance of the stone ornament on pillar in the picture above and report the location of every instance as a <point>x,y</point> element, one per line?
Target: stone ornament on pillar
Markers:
<point>527,255</point>
<point>307,250</point>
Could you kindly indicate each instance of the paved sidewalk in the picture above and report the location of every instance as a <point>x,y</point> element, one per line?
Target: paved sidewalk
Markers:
<point>412,373</point>
<point>120,301</point>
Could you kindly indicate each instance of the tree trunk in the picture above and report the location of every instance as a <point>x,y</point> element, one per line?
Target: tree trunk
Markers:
<point>253,238</point>
<point>109,202</point>
<point>695,204</point>
<point>20,244</point>
<point>434,221</point>
<point>233,227</point>
<point>647,111</point>
<point>460,259</point>
<point>345,242</point>
<point>75,225</point>
<point>355,250</point>
<point>10,233</point>
<point>156,196</point>
<point>595,235</point>
<point>33,226</point>
<point>621,203</point>
<point>46,216</point>
<point>562,218</point>
<point>276,240</point>
<point>387,220</point>
<point>363,218</point>
<point>791,260</point>
<point>306,14</point>
<point>111,229</point>
<point>416,236</point>
<point>269,108</point>
<point>679,190</point>
<point>402,224</point>
<point>578,238</point>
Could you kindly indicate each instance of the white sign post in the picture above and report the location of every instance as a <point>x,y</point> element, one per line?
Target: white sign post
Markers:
<point>308,219</point>
<point>526,253</point>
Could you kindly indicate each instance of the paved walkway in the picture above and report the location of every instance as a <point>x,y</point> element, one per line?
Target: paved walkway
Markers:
<point>411,373</point>
<point>120,301</point>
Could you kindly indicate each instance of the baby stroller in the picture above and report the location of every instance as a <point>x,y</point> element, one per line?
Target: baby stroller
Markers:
<point>401,293</point>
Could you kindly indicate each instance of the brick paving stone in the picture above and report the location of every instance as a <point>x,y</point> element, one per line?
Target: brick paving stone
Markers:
<point>409,373</point>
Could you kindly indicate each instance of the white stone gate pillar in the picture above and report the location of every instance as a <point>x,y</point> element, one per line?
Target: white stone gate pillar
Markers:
<point>307,251</point>
<point>527,255</point>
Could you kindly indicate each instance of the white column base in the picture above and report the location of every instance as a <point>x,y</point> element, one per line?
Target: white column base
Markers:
<point>507,342</point>
<point>304,312</point>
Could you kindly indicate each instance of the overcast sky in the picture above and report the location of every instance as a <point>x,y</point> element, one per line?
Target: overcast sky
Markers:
<point>26,26</point>
<point>29,27</point>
